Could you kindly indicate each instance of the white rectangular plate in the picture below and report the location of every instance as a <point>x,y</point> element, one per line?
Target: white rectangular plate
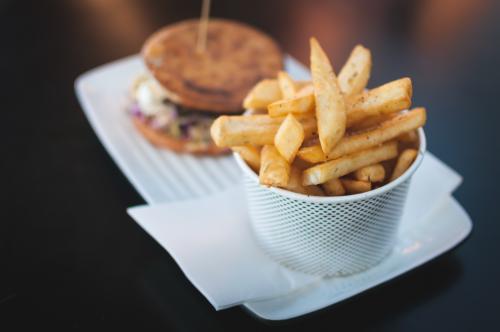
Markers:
<point>160,176</point>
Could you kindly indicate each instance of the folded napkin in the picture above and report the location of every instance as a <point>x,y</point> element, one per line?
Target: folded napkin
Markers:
<point>211,240</point>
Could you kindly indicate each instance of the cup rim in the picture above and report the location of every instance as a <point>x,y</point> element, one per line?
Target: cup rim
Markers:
<point>341,199</point>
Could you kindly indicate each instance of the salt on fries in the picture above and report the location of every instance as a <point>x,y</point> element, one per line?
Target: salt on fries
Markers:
<point>388,98</point>
<point>334,169</point>
<point>387,130</point>
<point>330,104</point>
<point>329,136</point>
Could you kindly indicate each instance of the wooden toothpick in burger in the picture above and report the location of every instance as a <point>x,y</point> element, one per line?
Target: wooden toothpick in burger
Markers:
<point>203,28</point>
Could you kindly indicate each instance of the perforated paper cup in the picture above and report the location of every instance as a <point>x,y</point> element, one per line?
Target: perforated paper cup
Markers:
<point>327,236</point>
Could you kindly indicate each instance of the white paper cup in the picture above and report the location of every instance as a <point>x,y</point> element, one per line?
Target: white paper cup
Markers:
<point>327,236</point>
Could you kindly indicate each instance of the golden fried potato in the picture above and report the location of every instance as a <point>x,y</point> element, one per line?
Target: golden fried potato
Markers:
<point>386,131</point>
<point>339,167</point>
<point>330,105</point>
<point>355,186</point>
<point>333,187</point>
<point>250,154</point>
<point>303,104</point>
<point>355,74</point>
<point>274,169</point>
<point>295,184</point>
<point>405,160</point>
<point>312,154</point>
<point>287,85</point>
<point>263,93</point>
<point>371,173</point>
<point>392,97</point>
<point>289,138</point>
<point>237,130</point>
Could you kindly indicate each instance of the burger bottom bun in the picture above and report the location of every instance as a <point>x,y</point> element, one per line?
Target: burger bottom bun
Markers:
<point>178,145</point>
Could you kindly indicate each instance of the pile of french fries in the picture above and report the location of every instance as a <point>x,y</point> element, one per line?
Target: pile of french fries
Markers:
<point>328,136</point>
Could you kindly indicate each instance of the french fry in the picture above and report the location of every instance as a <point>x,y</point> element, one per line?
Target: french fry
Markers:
<point>388,98</point>
<point>409,140</point>
<point>409,137</point>
<point>329,135</point>
<point>274,169</point>
<point>330,105</point>
<point>306,89</point>
<point>298,104</point>
<point>374,105</point>
<point>371,122</point>
<point>295,184</point>
<point>333,187</point>
<point>301,164</point>
<point>355,186</point>
<point>263,93</point>
<point>355,74</point>
<point>287,86</point>
<point>228,131</point>
<point>389,166</point>
<point>386,131</point>
<point>250,154</point>
<point>371,173</point>
<point>396,126</point>
<point>312,154</point>
<point>299,85</point>
<point>339,167</point>
<point>405,159</point>
<point>289,138</point>
<point>310,141</point>
<point>313,190</point>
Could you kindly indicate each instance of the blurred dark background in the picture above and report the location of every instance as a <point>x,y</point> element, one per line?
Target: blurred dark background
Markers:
<point>71,259</point>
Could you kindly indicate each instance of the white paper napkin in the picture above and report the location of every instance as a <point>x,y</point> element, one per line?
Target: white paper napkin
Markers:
<point>432,182</point>
<point>211,240</point>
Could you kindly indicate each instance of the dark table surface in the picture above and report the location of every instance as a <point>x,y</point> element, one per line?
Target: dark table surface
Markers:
<point>71,258</point>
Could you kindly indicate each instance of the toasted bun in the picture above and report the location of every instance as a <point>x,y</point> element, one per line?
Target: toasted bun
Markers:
<point>178,145</point>
<point>236,57</point>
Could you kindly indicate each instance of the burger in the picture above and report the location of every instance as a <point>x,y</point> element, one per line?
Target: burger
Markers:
<point>184,90</point>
